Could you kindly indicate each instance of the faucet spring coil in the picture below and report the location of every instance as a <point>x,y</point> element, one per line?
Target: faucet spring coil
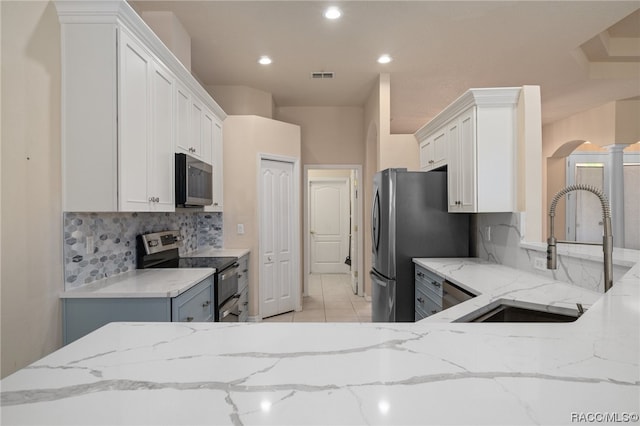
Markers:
<point>606,209</point>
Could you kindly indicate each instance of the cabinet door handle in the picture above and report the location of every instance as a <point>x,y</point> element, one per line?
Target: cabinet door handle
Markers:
<point>434,311</point>
<point>189,319</point>
<point>435,283</point>
<point>420,299</point>
<point>420,274</point>
<point>205,304</point>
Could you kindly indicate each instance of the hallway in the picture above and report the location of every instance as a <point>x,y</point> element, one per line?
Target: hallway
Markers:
<point>330,299</point>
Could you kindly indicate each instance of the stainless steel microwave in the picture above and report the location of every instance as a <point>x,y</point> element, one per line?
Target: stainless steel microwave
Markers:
<point>194,182</point>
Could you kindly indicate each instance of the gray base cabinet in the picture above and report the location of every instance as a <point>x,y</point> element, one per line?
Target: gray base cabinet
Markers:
<point>428,300</point>
<point>81,316</point>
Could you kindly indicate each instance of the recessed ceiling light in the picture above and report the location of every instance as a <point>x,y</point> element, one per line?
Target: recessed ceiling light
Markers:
<point>264,60</point>
<point>384,59</point>
<point>332,13</point>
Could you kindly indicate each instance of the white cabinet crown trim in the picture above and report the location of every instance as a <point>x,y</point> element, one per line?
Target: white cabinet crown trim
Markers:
<point>486,97</point>
<point>119,11</point>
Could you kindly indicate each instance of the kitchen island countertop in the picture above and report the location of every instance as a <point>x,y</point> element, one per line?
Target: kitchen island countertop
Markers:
<point>347,373</point>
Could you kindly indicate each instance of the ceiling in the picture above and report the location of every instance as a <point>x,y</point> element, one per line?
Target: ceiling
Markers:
<point>581,53</point>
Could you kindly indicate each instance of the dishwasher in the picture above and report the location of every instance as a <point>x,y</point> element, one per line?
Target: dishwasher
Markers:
<point>452,295</point>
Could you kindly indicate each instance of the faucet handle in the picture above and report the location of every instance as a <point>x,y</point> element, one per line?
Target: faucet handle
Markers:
<point>552,254</point>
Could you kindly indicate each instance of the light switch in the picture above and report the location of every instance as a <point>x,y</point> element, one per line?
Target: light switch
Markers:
<point>241,229</point>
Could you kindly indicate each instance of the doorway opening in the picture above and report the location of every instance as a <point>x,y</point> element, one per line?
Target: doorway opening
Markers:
<point>580,217</point>
<point>333,237</point>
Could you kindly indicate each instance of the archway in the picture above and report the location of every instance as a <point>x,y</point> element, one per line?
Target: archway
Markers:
<point>579,161</point>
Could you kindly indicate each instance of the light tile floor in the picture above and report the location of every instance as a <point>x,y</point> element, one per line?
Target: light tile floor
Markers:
<point>330,299</point>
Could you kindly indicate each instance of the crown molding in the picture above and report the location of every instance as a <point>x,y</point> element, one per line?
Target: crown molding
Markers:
<point>482,97</point>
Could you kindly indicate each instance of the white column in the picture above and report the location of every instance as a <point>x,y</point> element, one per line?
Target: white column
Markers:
<point>616,192</point>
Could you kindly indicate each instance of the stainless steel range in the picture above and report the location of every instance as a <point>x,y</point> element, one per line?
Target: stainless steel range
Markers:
<point>160,250</point>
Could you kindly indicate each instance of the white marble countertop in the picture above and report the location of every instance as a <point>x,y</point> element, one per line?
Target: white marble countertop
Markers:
<point>347,373</point>
<point>493,284</point>
<point>217,252</point>
<point>162,282</point>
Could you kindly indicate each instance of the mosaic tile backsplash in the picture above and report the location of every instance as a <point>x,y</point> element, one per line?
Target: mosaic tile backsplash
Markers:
<point>114,240</point>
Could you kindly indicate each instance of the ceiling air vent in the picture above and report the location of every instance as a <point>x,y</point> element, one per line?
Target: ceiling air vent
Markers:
<point>322,75</point>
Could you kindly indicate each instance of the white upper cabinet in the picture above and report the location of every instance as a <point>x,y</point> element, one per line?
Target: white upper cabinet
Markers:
<point>145,141</point>
<point>127,108</point>
<point>183,119</point>
<point>433,151</point>
<point>479,135</point>
<point>216,163</point>
<point>161,150</point>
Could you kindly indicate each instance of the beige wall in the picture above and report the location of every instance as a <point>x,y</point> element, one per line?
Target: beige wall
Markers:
<point>31,276</point>
<point>245,137</point>
<point>613,122</point>
<point>330,135</point>
<point>529,160</point>
<point>627,121</point>
<point>170,30</point>
<point>329,173</point>
<point>400,151</point>
<point>242,100</point>
<point>596,125</point>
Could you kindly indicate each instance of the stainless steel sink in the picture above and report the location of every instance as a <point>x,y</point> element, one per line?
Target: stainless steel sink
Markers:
<point>508,311</point>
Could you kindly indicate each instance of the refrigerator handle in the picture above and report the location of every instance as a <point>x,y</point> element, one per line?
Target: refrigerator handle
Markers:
<point>381,279</point>
<point>375,222</point>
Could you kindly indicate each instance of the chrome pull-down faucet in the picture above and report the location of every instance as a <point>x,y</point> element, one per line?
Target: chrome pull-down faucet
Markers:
<point>607,238</point>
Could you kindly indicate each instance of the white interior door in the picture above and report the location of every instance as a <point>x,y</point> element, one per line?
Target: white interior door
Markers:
<point>277,275</point>
<point>589,225</point>
<point>329,214</point>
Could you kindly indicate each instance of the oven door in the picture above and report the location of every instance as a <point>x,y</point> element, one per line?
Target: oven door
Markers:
<point>230,311</point>
<point>227,284</point>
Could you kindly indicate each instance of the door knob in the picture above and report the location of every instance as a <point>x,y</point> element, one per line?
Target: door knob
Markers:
<point>269,258</point>
<point>313,232</point>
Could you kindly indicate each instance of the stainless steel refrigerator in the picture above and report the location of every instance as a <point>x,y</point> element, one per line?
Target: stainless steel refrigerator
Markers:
<point>409,219</point>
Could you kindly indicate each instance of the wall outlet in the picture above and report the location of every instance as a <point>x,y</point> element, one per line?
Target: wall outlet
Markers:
<point>89,244</point>
<point>241,229</point>
<point>540,263</point>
